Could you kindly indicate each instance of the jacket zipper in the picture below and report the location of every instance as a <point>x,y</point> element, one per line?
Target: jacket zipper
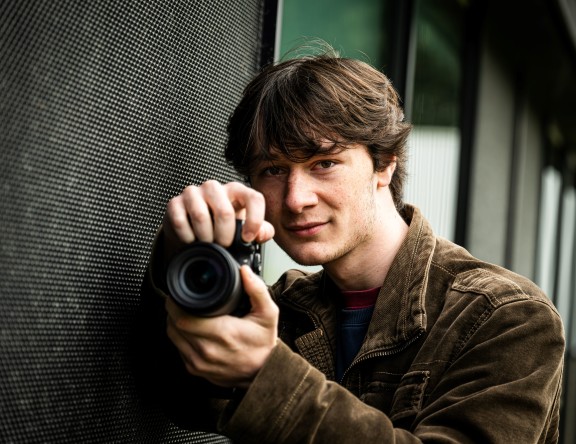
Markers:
<point>365,357</point>
<point>381,353</point>
<point>315,321</point>
<point>302,309</point>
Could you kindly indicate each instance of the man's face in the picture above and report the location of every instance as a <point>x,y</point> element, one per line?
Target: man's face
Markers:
<point>322,209</point>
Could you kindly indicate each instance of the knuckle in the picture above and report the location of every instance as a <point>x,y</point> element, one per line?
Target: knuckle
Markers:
<point>274,310</point>
<point>191,366</point>
<point>176,213</point>
<point>258,197</point>
<point>170,332</point>
<point>197,216</point>
<point>224,212</point>
<point>180,324</point>
<point>178,220</point>
<point>228,337</point>
<point>257,202</point>
<point>208,352</point>
<point>189,192</point>
<point>234,186</point>
<point>173,204</point>
<point>211,184</point>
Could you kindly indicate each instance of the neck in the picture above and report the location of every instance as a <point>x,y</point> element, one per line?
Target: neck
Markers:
<point>367,265</point>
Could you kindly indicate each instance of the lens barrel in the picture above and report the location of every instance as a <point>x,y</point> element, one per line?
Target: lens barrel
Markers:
<point>205,280</point>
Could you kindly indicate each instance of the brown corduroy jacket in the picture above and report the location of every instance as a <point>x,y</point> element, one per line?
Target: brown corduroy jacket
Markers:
<point>457,351</point>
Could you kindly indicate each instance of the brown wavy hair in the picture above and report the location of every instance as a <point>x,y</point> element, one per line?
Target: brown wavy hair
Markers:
<point>292,105</point>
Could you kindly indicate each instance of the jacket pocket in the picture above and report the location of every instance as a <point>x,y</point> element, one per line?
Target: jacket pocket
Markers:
<point>379,392</point>
<point>409,396</point>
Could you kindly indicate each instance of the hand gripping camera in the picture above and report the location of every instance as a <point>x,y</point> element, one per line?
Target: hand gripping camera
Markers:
<point>204,279</point>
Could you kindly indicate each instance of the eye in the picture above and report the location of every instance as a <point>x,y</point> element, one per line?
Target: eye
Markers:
<point>324,164</point>
<point>271,171</point>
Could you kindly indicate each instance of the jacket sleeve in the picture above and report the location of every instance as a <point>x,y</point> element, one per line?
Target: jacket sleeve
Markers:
<point>292,402</point>
<point>161,378</point>
<point>499,388</point>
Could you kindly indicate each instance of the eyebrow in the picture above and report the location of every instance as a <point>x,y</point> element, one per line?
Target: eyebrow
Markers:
<point>273,154</point>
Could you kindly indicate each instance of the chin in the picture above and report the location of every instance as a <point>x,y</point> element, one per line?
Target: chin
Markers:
<point>307,259</point>
<point>306,262</point>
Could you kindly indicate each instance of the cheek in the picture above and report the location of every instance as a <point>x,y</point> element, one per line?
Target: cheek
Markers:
<point>272,206</point>
<point>355,197</point>
<point>344,194</point>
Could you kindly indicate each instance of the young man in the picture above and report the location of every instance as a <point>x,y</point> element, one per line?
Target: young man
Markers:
<point>403,337</point>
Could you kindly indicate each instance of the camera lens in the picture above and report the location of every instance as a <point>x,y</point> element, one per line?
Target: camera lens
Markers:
<point>202,276</point>
<point>205,280</point>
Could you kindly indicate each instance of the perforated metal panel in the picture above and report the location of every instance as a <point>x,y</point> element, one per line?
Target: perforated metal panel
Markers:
<point>107,109</point>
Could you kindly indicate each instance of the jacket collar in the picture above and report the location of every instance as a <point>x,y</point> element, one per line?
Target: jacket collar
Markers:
<point>399,316</point>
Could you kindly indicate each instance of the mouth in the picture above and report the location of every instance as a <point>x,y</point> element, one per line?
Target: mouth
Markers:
<point>306,229</point>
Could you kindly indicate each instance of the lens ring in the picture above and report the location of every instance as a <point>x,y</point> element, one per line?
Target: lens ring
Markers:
<point>214,287</point>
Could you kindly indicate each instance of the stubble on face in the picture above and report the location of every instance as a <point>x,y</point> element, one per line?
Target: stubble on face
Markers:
<point>352,226</point>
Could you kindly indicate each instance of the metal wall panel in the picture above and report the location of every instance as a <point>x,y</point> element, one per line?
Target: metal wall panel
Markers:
<point>107,109</point>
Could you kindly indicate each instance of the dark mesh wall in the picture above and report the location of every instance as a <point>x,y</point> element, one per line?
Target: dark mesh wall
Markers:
<point>107,109</point>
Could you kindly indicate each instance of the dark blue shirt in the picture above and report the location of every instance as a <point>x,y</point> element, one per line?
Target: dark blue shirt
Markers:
<point>353,324</point>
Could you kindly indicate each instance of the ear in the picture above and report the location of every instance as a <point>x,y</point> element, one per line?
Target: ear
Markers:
<point>385,176</point>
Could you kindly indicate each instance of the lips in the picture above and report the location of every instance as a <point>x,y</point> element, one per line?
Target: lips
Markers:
<point>306,229</point>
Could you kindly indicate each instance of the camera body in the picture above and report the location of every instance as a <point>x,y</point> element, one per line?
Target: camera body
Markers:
<point>204,279</point>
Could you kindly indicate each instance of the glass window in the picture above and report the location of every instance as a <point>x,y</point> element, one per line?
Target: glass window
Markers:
<point>433,106</point>
<point>546,258</point>
<point>567,260</point>
<point>355,28</point>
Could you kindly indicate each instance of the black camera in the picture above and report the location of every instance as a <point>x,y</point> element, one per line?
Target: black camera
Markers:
<point>204,279</point>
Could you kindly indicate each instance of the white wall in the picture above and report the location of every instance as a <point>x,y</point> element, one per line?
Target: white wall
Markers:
<point>433,167</point>
<point>489,185</point>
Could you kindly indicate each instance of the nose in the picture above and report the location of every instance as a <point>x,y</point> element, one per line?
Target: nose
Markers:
<point>299,192</point>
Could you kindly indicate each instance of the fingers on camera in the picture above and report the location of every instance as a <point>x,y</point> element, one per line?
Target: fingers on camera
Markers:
<point>176,221</point>
<point>208,213</point>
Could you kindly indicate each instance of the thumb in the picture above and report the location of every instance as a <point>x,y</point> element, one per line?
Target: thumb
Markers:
<point>257,291</point>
